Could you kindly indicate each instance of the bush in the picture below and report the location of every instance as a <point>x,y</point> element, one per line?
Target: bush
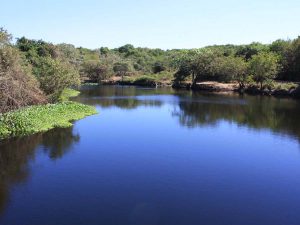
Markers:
<point>55,75</point>
<point>145,81</point>
<point>95,71</point>
<point>67,94</point>
<point>18,87</point>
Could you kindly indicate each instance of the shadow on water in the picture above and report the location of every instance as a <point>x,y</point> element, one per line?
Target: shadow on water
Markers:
<point>17,153</point>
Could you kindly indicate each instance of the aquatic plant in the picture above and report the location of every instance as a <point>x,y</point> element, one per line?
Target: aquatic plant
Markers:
<point>35,119</point>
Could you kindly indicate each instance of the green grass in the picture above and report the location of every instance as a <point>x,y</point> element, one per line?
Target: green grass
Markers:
<point>40,118</point>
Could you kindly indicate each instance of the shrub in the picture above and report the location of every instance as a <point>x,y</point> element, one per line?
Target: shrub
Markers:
<point>18,87</point>
<point>55,75</point>
<point>145,81</point>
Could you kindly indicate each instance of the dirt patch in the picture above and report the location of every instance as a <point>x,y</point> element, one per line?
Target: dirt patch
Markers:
<point>215,86</point>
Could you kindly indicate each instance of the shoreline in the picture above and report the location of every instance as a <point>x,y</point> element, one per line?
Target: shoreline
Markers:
<point>212,86</point>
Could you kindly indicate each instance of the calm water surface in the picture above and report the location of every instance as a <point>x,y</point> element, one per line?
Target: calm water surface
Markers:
<point>156,156</point>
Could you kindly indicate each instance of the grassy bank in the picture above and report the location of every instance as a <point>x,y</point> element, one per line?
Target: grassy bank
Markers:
<point>40,118</point>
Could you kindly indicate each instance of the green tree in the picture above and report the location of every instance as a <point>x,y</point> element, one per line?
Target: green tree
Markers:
<point>204,66</point>
<point>55,75</point>
<point>248,51</point>
<point>95,71</point>
<point>69,53</point>
<point>104,51</point>
<point>158,67</point>
<point>121,69</point>
<point>127,49</point>
<point>292,66</point>
<point>263,67</point>
<point>231,68</point>
<point>186,64</point>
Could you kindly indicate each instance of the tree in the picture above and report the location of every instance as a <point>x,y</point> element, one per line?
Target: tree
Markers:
<point>121,69</point>
<point>248,51</point>
<point>5,38</point>
<point>186,65</point>
<point>127,49</point>
<point>204,66</point>
<point>55,75</point>
<point>52,65</point>
<point>263,67</point>
<point>35,49</point>
<point>158,67</point>
<point>283,49</point>
<point>104,51</point>
<point>240,72</point>
<point>280,47</point>
<point>18,87</point>
<point>292,65</point>
<point>95,71</point>
<point>70,53</point>
<point>231,68</point>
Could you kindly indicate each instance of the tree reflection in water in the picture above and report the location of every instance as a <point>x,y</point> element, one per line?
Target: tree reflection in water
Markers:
<point>256,112</point>
<point>16,153</point>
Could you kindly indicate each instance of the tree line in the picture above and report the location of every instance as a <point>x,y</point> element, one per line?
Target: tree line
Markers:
<point>245,63</point>
<point>35,72</point>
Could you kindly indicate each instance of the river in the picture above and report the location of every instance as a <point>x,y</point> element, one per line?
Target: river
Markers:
<point>156,156</point>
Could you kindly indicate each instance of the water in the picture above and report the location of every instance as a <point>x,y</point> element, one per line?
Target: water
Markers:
<point>159,156</point>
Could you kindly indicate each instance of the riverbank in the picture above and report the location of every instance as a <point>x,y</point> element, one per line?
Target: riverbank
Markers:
<point>151,80</point>
<point>41,118</point>
<point>280,89</point>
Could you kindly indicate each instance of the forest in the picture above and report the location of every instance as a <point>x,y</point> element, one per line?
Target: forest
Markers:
<point>34,72</point>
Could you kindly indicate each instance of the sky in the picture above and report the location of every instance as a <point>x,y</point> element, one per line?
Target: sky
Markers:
<point>165,24</point>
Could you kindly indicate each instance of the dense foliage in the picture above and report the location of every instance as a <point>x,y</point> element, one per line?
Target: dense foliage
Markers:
<point>223,63</point>
<point>34,71</point>
<point>245,64</point>
<point>18,87</point>
<point>52,67</point>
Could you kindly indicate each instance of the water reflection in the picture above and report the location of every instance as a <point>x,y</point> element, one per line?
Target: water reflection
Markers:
<point>121,96</point>
<point>278,115</point>
<point>112,169</point>
<point>58,142</point>
<point>16,154</point>
<point>193,109</point>
<point>115,91</point>
<point>123,103</point>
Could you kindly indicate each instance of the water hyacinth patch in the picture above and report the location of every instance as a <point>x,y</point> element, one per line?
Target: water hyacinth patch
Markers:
<point>40,118</point>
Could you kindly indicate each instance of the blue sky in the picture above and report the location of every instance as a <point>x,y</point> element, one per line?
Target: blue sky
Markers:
<point>152,23</point>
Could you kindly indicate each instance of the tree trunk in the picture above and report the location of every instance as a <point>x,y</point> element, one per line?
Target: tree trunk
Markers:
<point>193,79</point>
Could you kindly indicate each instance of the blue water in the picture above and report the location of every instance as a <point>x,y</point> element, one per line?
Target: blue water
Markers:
<point>158,156</point>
